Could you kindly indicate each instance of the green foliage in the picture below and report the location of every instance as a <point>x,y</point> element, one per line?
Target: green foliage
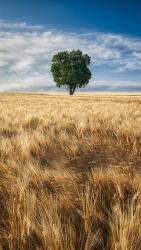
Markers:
<point>70,69</point>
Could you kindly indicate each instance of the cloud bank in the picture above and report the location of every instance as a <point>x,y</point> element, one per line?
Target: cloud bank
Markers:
<point>26,52</point>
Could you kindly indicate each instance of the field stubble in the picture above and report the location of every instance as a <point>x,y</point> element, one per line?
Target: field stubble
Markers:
<point>70,171</point>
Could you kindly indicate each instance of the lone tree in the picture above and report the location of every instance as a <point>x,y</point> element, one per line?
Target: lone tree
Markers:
<point>70,69</point>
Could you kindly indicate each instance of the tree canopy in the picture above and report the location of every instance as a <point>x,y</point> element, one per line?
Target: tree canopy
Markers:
<point>70,69</point>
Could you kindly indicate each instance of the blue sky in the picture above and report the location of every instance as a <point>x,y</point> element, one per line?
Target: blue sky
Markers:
<point>32,31</point>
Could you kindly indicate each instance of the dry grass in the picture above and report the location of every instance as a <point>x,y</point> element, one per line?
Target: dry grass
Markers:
<point>70,172</point>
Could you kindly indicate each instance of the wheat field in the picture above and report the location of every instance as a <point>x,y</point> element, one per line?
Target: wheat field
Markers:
<point>70,172</point>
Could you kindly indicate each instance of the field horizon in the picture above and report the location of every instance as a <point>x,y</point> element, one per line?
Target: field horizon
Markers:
<point>99,93</point>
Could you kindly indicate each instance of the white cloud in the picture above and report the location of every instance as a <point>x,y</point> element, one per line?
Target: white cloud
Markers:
<point>23,65</point>
<point>14,25</point>
<point>26,51</point>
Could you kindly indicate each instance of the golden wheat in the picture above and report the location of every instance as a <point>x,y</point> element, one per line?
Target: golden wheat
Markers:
<point>70,172</point>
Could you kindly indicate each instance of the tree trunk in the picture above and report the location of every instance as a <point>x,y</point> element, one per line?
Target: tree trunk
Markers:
<point>71,91</point>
